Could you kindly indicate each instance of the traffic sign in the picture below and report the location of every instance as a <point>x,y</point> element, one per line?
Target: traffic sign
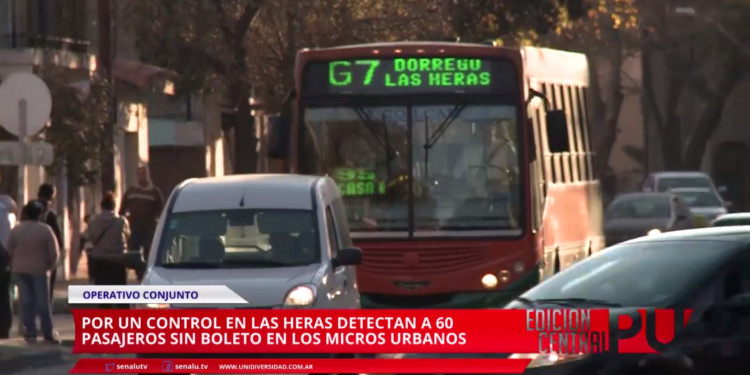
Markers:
<point>37,153</point>
<point>29,87</point>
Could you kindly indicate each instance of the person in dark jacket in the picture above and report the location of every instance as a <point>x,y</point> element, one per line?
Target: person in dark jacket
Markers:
<point>142,206</point>
<point>46,195</point>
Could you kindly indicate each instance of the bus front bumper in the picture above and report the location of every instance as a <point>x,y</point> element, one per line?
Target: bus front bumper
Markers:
<point>468,300</point>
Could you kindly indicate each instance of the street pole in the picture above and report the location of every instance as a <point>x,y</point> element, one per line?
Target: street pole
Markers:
<point>22,183</point>
<point>105,59</point>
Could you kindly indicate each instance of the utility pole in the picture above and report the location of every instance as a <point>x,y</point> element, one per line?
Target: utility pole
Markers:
<point>105,62</point>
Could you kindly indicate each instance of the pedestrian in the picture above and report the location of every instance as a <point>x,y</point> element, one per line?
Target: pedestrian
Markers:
<point>34,254</point>
<point>85,247</point>
<point>108,234</point>
<point>46,195</point>
<point>142,206</point>
<point>8,209</point>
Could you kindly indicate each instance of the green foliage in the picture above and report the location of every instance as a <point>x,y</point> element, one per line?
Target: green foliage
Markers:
<point>508,19</point>
<point>78,126</point>
<point>198,39</point>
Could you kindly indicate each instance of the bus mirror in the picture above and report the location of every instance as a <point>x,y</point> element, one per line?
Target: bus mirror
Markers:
<point>557,131</point>
<point>279,132</point>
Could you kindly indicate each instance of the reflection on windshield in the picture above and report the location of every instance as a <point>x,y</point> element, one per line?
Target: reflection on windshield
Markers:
<point>465,165</point>
<point>239,238</point>
<point>665,272</point>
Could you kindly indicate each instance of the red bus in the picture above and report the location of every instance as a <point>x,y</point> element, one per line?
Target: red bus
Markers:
<point>466,169</point>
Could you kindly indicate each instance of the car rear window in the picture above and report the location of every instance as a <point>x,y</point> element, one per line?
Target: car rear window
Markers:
<point>640,207</point>
<point>669,183</point>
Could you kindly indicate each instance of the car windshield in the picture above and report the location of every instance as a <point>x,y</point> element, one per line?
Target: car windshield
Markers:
<point>696,199</point>
<point>669,183</point>
<point>239,238</point>
<point>639,207</point>
<point>464,165</point>
<point>643,274</point>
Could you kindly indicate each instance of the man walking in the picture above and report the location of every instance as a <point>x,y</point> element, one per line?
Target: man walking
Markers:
<point>8,208</point>
<point>46,196</point>
<point>142,205</point>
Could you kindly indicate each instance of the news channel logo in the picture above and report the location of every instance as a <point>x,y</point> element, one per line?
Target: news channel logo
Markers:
<point>167,366</point>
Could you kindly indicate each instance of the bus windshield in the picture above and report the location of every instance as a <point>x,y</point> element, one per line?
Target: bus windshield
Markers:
<point>464,165</point>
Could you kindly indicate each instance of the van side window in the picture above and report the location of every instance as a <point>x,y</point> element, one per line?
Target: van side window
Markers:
<point>333,237</point>
<point>339,214</point>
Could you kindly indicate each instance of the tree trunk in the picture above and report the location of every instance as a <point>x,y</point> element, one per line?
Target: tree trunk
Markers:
<point>710,117</point>
<point>667,123</point>
<point>105,59</point>
<point>245,142</point>
<point>611,106</point>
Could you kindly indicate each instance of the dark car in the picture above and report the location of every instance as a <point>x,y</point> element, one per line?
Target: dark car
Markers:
<point>706,270</point>
<point>638,214</point>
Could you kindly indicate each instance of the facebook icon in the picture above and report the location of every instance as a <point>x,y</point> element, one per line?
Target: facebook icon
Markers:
<point>167,366</point>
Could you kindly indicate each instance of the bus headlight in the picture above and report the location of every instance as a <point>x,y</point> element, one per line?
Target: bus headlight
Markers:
<point>551,359</point>
<point>300,296</point>
<point>489,281</point>
<point>654,232</point>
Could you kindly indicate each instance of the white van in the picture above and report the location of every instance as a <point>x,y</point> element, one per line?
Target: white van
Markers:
<point>275,240</point>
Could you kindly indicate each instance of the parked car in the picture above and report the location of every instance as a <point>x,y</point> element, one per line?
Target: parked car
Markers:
<point>735,219</point>
<point>638,214</point>
<point>704,203</point>
<point>290,230</point>
<point>706,270</point>
<point>665,181</point>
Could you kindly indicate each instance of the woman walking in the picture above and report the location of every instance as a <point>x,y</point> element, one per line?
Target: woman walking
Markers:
<point>108,234</point>
<point>34,253</point>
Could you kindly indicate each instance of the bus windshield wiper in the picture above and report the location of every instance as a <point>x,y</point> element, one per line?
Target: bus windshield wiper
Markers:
<point>574,302</point>
<point>372,127</point>
<point>430,140</point>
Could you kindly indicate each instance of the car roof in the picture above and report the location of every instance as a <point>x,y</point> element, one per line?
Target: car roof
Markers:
<point>249,191</point>
<point>739,234</point>
<point>680,174</point>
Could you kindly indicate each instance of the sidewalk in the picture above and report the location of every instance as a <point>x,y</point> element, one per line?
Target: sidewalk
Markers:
<point>17,355</point>
<point>60,300</point>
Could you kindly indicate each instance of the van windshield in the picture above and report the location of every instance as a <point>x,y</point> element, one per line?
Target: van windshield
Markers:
<point>239,238</point>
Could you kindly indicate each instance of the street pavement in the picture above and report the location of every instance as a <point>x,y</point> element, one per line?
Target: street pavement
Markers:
<point>16,356</point>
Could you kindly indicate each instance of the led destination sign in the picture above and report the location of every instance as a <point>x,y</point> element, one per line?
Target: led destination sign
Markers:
<point>370,76</point>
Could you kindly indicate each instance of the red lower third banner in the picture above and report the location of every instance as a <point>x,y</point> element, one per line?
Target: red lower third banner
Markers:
<point>339,331</point>
<point>300,366</point>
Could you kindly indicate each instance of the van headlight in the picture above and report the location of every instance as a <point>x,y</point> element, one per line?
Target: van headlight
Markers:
<point>550,359</point>
<point>153,306</point>
<point>654,232</point>
<point>300,296</point>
